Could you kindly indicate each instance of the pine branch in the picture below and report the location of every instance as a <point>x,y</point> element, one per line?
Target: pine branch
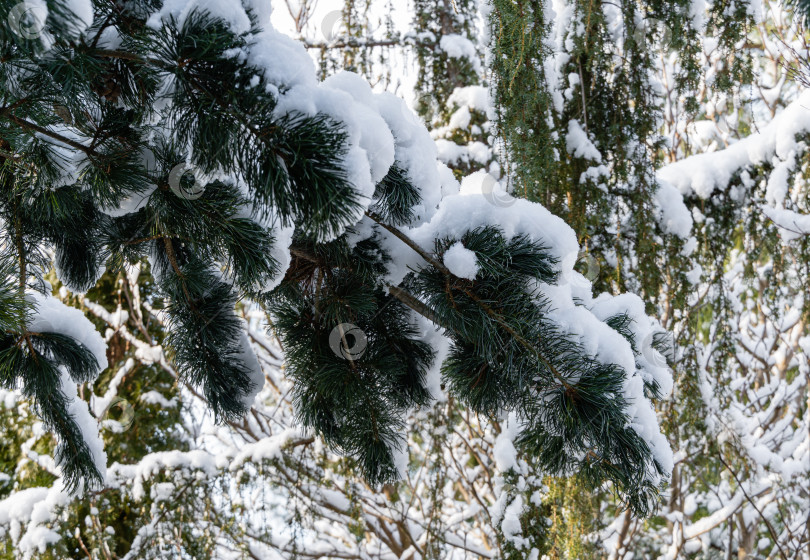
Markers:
<point>405,239</point>
<point>497,317</point>
<point>415,304</point>
<point>55,135</point>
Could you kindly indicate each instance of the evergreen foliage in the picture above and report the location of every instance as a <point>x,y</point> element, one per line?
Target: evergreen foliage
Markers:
<point>106,125</point>
<point>728,278</point>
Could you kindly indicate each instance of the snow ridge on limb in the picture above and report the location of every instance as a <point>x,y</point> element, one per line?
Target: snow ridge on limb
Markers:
<point>702,174</point>
<point>776,144</point>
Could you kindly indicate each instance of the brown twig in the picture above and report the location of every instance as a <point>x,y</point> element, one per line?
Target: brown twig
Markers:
<point>768,524</point>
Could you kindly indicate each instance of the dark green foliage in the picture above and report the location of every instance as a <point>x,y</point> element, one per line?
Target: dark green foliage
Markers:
<point>31,362</point>
<point>73,227</point>
<point>205,332</point>
<point>12,305</point>
<point>660,342</point>
<point>508,355</point>
<point>291,163</point>
<point>489,366</point>
<point>356,357</point>
<point>155,428</point>
<point>396,197</point>
<point>114,152</point>
<point>60,25</point>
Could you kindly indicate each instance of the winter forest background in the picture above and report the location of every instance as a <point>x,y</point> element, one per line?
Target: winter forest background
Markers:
<point>672,139</point>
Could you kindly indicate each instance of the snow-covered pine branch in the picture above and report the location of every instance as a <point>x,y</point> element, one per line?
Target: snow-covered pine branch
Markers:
<point>237,174</point>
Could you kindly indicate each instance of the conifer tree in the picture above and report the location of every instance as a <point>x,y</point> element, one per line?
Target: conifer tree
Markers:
<point>450,93</point>
<point>196,137</point>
